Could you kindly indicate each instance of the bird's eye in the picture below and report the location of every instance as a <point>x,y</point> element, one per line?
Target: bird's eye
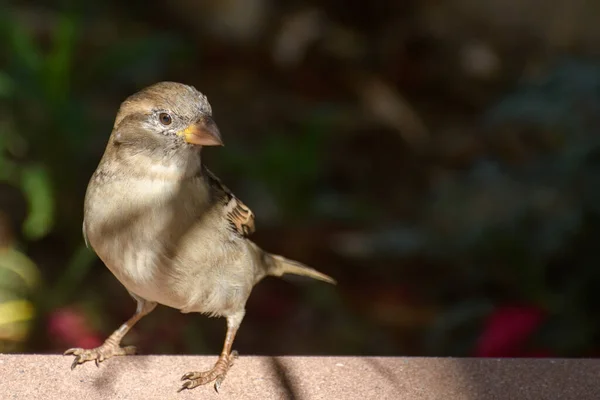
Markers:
<point>165,119</point>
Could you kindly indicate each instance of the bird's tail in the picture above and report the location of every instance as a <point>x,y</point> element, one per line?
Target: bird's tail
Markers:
<point>278,265</point>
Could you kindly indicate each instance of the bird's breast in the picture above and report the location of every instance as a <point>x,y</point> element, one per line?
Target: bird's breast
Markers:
<point>160,242</point>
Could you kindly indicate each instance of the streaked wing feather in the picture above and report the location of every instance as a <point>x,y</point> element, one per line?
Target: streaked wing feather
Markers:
<point>240,217</point>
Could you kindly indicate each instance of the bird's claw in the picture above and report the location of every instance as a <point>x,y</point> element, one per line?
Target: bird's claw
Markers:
<point>218,383</point>
<point>216,373</point>
<point>187,376</point>
<point>185,385</point>
<point>99,354</point>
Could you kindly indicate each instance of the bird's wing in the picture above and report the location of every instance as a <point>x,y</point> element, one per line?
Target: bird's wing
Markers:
<point>239,216</point>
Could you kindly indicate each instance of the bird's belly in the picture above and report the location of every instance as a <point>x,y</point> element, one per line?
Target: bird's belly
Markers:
<point>193,286</point>
<point>141,273</point>
<point>152,245</point>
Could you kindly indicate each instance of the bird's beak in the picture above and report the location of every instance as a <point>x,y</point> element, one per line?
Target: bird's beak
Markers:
<point>203,132</point>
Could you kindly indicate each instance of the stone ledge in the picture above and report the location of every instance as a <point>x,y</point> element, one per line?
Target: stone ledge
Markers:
<point>157,377</point>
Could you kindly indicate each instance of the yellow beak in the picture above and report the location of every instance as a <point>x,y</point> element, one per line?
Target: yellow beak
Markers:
<point>203,132</point>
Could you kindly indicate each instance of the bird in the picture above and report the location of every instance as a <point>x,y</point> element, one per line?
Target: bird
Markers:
<point>167,228</point>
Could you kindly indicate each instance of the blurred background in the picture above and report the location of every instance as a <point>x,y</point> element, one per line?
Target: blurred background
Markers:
<point>441,159</point>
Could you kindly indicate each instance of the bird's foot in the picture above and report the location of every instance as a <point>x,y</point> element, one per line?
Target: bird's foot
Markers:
<point>216,373</point>
<point>99,354</point>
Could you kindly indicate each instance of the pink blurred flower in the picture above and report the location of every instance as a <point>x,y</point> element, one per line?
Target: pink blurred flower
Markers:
<point>70,326</point>
<point>507,331</point>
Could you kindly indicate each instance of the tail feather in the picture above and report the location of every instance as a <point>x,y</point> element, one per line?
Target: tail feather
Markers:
<point>279,265</point>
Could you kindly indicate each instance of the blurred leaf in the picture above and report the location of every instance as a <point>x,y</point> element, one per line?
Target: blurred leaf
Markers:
<point>19,282</point>
<point>25,58</point>
<point>16,311</point>
<point>8,169</point>
<point>57,72</point>
<point>21,265</point>
<point>37,186</point>
<point>24,48</point>
<point>7,86</point>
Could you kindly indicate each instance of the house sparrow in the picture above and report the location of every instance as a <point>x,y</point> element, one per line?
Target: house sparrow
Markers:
<point>167,228</point>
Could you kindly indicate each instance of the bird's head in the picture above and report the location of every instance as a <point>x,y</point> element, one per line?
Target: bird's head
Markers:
<point>169,116</point>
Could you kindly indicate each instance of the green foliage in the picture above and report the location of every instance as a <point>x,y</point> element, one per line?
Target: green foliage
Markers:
<point>7,86</point>
<point>47,129</point>
<point>289,165</point>
<point>500,230</point>
<point>36,185</point>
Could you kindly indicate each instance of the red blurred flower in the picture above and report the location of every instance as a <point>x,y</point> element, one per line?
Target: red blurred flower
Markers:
<point>507,332</point>
<point>71,327</point>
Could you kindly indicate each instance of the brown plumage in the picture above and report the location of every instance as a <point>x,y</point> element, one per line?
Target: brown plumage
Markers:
<point>166,226</point>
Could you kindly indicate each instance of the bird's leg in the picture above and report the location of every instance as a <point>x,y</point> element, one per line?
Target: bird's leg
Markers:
<point>112,345</point>
<point>219,370</point>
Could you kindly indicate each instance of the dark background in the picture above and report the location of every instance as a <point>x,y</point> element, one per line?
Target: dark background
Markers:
<point>439,158</point>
